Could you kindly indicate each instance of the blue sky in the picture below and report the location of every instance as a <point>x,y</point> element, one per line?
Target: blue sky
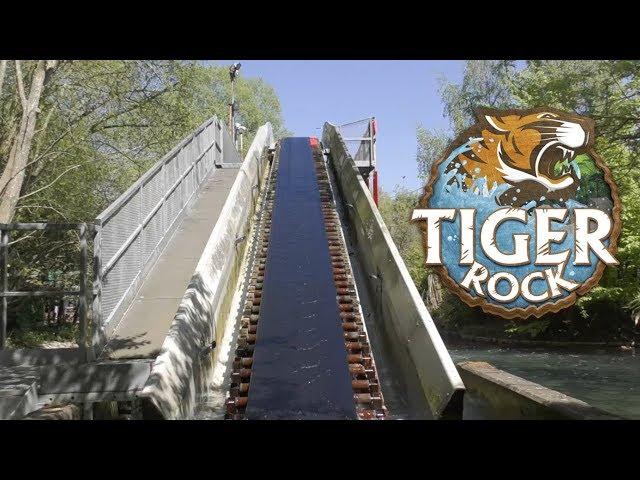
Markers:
<point>400,94</point>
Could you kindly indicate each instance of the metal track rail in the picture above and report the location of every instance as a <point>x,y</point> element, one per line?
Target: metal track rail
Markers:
<point>368,402</point>
<point>238,395</point>
<point>364,376</point>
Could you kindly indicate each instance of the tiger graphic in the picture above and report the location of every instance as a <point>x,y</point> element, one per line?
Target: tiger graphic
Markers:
<point>532,150</point>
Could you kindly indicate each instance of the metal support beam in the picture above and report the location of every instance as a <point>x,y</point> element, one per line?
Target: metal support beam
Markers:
<point>4,285</point>
<point>5,229</point>
<point>82,299</point>
<point>97,340</point>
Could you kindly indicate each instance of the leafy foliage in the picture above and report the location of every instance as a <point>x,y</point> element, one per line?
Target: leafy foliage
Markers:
<point>396,211</point>
<point>484,83</point>
<point>431,145</point>
<point>101,125</point>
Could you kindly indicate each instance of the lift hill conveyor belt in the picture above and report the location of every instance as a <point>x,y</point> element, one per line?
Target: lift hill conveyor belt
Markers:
<point>303,352</point>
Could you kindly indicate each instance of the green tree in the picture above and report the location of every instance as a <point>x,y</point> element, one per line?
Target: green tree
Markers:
<point>484,83</point>
<point>396,211</point>
<point>92,129</point>
<point>431,145</point>
<point>101,124</point>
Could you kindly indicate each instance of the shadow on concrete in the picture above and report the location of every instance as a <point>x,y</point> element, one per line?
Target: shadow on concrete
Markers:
<point>181,368</point>
<point>119,344</point>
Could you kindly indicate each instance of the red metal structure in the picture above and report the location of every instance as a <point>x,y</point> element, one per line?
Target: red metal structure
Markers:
<point>375,187</point>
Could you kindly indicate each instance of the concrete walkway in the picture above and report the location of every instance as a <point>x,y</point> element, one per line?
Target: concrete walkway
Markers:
<point>145,324</point>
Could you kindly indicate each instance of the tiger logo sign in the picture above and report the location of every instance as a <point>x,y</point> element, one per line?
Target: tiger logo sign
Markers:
<point>520,215</point>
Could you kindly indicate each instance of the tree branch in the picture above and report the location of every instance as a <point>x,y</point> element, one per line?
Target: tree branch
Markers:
<point>28,235</point>
<point>20,85</point>
<point>135,106</point>
<point>54,181</point>
<point>45,206</point>
<point>122,125</point>
<point>3,71</point>
<point>39,139</point>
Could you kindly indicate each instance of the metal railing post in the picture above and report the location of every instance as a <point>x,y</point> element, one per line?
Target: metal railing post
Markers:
<point>4,287</point>
<point>221,133</point>
<point>163,207</point>
<point>181,174</point>
<point>82,298</point>
<point>371,160</point>
<point>140,238</point>
<point>96,333</point>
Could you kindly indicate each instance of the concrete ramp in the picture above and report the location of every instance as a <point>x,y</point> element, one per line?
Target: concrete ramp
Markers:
<point>180,372</point>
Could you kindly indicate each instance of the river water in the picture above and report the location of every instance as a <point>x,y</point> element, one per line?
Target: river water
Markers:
<point>606,379</point>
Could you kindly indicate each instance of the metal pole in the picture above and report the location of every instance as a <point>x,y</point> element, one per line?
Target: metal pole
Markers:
<point>4,247</point>
<point>163,209</point>
<point>221,141</point>
<point>371,161</point>
<point>141,236</point>
<point>375,187</point>
<point>373,142</point>
<point>232,112</point>
<point>233,73</point>
<point>82,299</point>
<point>97,293</point>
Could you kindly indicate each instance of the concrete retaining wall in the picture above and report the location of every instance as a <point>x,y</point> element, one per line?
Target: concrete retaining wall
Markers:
<point>494,394</point>
<point>390,284</point>
<point>182,368</point>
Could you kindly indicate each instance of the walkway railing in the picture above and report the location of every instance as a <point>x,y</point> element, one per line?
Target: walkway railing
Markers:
<point>359,138</point>
<point>133,230</point>
<point>5,293</point>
